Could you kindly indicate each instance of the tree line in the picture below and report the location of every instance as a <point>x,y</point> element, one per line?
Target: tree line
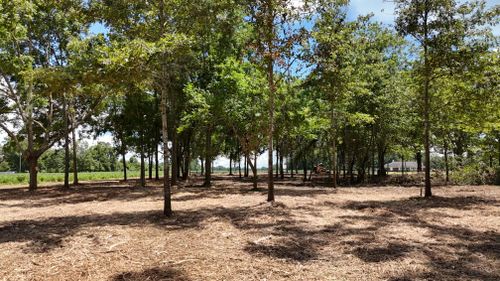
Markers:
<point>302,81</point>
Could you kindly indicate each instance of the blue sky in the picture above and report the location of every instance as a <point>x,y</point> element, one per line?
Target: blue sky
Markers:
<point>383,11</point>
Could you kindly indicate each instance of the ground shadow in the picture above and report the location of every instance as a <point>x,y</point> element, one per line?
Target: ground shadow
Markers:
<point>153,274</point>
<point>374,253</point>
<point>459,255</point>
<point>56,195</point>
<point>460,259</point>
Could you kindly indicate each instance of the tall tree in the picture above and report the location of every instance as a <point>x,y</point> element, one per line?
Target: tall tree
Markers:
<point>36,74</point>
<point>276,31</point>
<point>438,27</point>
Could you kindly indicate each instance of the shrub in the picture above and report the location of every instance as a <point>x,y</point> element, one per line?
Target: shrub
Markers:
<point>21,178</point>
<point>475,174</point>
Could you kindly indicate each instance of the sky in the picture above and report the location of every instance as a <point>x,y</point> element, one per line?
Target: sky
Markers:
<point>383,11</point>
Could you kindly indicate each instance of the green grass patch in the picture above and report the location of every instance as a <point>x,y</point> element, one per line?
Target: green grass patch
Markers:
<point>23,178</point>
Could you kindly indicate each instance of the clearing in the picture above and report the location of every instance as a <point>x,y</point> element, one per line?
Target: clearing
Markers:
<point>115,231</point>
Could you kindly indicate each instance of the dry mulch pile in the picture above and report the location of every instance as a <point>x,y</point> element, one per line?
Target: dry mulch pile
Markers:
<point>115,231</point>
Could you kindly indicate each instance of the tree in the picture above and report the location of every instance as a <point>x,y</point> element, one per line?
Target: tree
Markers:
<point>35,74</point>
<point>275,33</point>
<point>438,27</point>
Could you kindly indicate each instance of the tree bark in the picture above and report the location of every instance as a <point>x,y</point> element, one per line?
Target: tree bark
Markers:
<point>254,172</point>
<point>208,159</point>
<point>418,156</point>
<point>272,90</point>
<point>150,166</point>
<point>277,162</point>
<point>66,143</point>
<point>305,169</point>
<point>334,160</point>
<point>239,165</point>
<point>246,166</point>
<point>427,102</point>
<point>143,168</point>
<point>167,203</point>
<point>75,165</point>
<point>124,162</point>
<point>230,165</point>
<point>157,176</point>
<point>447,179</point>
<point>33,170</point>
<point>187,161</point>
<point>175,159</point>
<point>282,172</point>
<point>402,165</point>
<point>381,161</point>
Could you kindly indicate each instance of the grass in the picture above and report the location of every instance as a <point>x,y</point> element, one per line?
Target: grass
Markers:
<point>23,178</point>
<point>228,232</point>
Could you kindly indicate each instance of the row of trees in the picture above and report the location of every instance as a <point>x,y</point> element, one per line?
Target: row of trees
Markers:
<point>299,80</point>
<point>101,157</point>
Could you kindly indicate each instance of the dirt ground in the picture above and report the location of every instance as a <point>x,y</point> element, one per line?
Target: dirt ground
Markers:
<point>115,231</point>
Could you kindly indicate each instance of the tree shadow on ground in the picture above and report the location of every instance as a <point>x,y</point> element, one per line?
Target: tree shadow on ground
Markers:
<point>46,234</point>
<point>408,206</point>
<point>153,274</point>
<point>457,253</point>
<point>127,191</point>
<point>375,253</point>
<point>55,195</point>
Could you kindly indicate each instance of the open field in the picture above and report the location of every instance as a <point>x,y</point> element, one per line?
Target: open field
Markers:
<point>115,231</point>
<point>20,179</point>
<point>23,178</point>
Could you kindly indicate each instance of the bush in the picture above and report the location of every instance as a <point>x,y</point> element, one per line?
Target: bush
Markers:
<point>475,174</point>
<point>21,178</point>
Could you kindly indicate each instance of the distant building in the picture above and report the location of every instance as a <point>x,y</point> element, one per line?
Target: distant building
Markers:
<point>409,166</point>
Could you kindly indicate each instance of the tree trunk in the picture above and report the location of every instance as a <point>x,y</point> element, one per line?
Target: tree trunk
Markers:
<point>187,161</point>
<point>150,167</point>
<point>254,172</point>
<point>179,162</point>
<point>381,162</point>
<point>291,165</point>
<point>157,176</point>
<point>272,90</point>
<point>124,162</point>
<point>402,165</point>
<point>246,165</point>
<point>427,104</point>
<point>230,165</point>
<point>418,156</point>
<point>447,179</point>
<point>66,143</point>
<point>239,165</point>
<point>33,170</point>
<point>202,167</point>
<point>175,162</point>
<point>75,165</point>
<point>282,172</point>
<point>334,161</point>
<point>143,168</point>
<point>208,159</point>
<point>305,169</point>
<point>167,203</point>
<point>277,163</point>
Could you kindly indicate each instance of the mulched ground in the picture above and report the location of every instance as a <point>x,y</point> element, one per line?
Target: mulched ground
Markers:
<point>115,231</point>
